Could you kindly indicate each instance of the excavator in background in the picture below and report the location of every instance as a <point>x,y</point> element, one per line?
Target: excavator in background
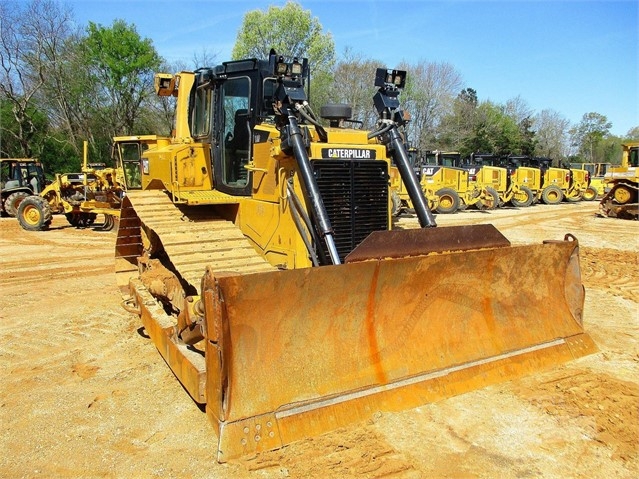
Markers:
<point>81,197</point>
<point>260,256</point>
<point>621,185</point>
<point>19,178</point>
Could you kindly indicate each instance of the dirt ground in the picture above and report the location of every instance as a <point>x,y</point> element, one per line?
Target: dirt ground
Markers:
<point>85,395</point>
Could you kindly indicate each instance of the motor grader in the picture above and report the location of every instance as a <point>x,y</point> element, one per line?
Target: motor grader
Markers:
<point>400,198</point>
<point>487,171</point>
<point>81,197</point>
<point>597,172</point>
<point>559,183</point>
<point>260,258</point>
<point>452,184</point>
<point>622,186</point>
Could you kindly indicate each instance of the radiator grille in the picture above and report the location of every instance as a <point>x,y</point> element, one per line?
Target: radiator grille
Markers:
<point>355,194</point>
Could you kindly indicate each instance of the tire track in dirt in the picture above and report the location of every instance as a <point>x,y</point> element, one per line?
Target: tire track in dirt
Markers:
<point>25,277</point>
<point>344,453</point>
<point>615,271</point>
<point>583,397</point>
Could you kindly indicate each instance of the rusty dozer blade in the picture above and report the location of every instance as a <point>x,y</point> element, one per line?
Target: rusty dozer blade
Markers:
<point>293,354</point>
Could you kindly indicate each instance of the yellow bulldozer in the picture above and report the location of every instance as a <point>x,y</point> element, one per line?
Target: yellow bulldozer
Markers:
<point>260,257</point>
<point>621,185</point>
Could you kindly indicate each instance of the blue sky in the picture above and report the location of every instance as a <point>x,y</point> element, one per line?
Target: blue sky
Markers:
<point>570,56</point>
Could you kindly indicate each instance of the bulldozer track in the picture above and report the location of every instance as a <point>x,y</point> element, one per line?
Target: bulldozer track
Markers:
<point>194,237</point>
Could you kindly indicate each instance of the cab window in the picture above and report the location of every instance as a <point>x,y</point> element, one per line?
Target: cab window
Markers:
<point>201,114</point>
<point>236,146</point>
<point>131,154</point>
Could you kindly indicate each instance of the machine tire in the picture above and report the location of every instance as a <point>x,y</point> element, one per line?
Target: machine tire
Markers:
<point>34,214</point>
<point>13,201</point>
<point>573,199</point>
<point>492,200</point>
<point>448,201</point>
<point>552,195</point>
<point>590,194</point>
<point>521,202</point>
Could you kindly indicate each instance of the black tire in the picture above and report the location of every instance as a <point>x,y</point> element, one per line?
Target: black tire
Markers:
<point>491,202</point>
<point>34,214</point>
<point>573,199</point>
<point>524,198</point>
<point>590,194</point>
<point>552,195</point>
<point>13,201</point>
<point>448,201</point>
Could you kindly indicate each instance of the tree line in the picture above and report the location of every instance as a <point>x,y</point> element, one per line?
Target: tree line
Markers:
<point>61,85</point>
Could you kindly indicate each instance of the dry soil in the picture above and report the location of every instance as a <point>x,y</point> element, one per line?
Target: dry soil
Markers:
<point>84,394</point>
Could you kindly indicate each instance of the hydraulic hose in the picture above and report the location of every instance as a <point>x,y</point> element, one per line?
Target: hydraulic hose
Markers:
<point>424,215</point>
<point>311,188</point>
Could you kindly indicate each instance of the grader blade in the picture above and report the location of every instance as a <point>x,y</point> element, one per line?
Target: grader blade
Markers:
<point>293,354</point>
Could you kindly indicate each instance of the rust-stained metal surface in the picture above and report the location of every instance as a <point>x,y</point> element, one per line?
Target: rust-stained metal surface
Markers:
<point>292,354</point>
<point>414,316</point>
<point>415,242</point>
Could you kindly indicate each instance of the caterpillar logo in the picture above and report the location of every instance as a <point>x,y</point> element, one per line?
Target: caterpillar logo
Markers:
<point>347,154</point>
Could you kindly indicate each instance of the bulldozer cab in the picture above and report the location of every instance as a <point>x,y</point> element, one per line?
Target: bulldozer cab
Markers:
<point>228,101</point>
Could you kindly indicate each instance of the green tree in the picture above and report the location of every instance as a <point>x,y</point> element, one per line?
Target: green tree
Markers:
<point>517,109</point>
<point>586,135</point>
<point>493,131</point>
<point>456,127</point>
<point>294,33</point>
<point>123,66</point>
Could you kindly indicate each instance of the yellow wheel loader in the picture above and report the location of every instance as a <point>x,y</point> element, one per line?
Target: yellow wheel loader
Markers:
<point>400,198</point>
<point>260,257</point>
<point>527,178</point>
<point>81,197</point>
<point>622,186</point>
